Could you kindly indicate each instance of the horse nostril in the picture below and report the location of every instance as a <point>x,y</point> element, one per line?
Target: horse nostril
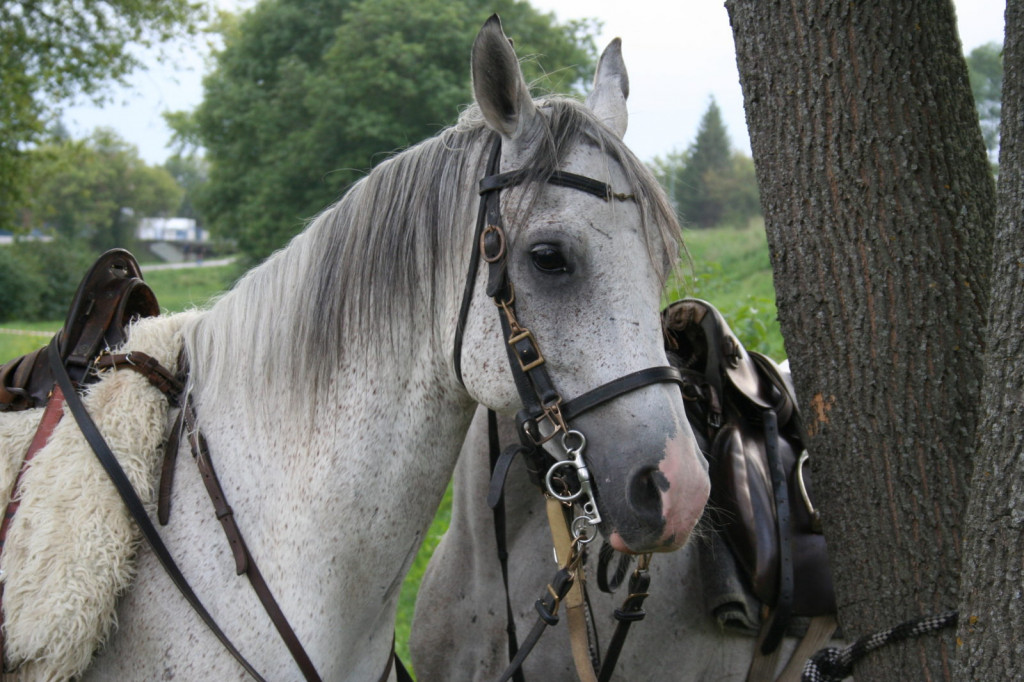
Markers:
<point>644,495</point>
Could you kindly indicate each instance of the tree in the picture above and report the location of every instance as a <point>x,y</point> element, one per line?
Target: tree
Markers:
<point>96,190</point>
<point>985,67</point>
<point>879,209</point>
<point>306,96</point>
<point>190,172</point>
<point>53,51</point>
<point>708,157</point>
<point>709,183</point>
<point>992,611</point>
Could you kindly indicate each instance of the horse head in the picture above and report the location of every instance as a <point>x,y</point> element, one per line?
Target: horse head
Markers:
<point>587,243</point>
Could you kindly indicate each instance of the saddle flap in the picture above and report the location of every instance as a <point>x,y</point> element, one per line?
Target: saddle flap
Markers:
<point>741,489</point>
<point>732,392</point>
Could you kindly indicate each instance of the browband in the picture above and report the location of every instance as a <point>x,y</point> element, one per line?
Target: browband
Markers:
<point>601,190</point>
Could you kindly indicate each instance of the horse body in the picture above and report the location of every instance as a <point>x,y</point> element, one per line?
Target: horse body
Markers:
<point>325,386</point>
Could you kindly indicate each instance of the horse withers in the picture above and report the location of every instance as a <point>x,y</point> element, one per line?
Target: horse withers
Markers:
<point>326,386</point>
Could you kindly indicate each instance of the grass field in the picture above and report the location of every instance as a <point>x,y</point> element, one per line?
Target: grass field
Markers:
<point>730,268</point>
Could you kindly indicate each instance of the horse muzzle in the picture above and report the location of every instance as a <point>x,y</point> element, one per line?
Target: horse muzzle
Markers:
<point>659,503</point>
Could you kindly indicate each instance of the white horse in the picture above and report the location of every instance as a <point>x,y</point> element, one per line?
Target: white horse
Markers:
<point>326,384</point>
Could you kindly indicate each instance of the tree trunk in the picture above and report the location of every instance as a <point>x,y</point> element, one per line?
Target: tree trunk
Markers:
<point>991,606</point>
<point>879,208</point>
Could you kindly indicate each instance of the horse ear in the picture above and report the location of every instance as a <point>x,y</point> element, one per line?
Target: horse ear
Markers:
<point>498,83</point>
<point>611,88</point>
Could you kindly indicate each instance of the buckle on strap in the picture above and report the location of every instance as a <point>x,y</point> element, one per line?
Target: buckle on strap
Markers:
<point>529,424</point>
<point>526,350</point>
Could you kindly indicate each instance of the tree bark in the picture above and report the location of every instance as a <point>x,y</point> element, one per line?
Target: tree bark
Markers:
<point>991,606</point>
<point>879,209</point>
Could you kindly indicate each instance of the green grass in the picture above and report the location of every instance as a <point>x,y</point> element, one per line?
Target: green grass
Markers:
<point>407,597</point>
<point>179,290</point>
<point>731,270</point>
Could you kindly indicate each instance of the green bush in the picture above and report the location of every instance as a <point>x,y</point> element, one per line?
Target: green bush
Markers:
<point>40,278</point>
<point>20,284</point>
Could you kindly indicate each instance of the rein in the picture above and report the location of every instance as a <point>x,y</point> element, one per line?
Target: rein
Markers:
<point>546,414</point>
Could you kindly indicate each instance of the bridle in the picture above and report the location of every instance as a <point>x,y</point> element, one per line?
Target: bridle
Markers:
<point>545,413</point>
<point>542,402</point>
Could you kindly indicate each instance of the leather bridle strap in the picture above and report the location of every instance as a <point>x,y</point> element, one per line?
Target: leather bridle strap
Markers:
<point>244,562</point>
<point>605,393</point>
<point>501,540</point>
<point>489,211</point>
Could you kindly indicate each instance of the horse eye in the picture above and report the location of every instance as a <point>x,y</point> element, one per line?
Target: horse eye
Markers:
<point>549,259</point>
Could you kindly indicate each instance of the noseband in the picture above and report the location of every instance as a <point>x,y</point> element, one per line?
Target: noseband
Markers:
<point>545,413</point>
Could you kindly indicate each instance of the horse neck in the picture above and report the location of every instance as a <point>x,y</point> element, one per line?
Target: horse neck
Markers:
<point>348,494</point>
<point>372,401</point>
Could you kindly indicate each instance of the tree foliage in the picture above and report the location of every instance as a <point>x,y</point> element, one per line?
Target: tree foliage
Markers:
<point>985,69</point>
<point>95,190</point>
<point>306,96</point>
<point>709,183</point>
<point>190,172</point>
<point>53,50</point>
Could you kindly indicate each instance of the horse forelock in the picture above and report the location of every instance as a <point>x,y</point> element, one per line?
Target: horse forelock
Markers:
<point>388,258</point>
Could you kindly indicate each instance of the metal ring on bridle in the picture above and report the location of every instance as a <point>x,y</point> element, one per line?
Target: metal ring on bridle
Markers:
<point>551,488</point>
<point>573,464</point>
<point>492,229</point>
<point>578,448</point>
<point>581,526</point>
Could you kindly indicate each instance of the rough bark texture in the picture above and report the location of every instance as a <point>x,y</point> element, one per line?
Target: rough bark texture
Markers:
<point>992,608</point>
<point>879,209</point>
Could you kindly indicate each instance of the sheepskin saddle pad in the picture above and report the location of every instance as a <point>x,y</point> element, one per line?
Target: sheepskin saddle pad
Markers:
<point>70,547</point>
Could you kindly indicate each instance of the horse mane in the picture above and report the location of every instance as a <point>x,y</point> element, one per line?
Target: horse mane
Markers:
<point>385,250</point>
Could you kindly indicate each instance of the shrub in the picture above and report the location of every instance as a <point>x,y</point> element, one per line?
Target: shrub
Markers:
<point>49,274</point>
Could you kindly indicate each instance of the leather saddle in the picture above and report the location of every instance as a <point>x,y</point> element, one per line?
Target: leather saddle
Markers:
<point>744,415</point>
<point>112,294</point>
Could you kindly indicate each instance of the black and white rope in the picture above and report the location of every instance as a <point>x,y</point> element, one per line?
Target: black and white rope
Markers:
<point>834,664</point>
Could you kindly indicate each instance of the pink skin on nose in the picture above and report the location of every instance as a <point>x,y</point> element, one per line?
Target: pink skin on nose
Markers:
<point>682,504</point>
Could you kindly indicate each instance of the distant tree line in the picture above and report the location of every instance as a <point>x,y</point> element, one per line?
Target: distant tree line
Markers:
<point>304,97</point>
<point>82,197</point>
<point>52,52</point>
<point>985,70</point>
<point>708,182</point>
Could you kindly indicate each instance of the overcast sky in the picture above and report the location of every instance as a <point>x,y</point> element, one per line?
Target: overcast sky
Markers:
<point>679,54</point>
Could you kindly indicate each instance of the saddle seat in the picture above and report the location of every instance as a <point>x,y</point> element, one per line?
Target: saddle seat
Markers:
<point>111,295</point>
